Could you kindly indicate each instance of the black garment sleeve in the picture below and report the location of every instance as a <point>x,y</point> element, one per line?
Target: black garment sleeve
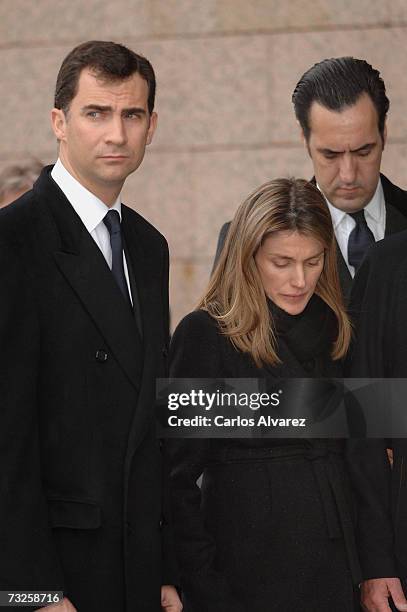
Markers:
<point>195,353</point>
<point>371,306</point>
<point>28,560</point>
<point>194,350</point>
<point>170,571</point>
<point>370,475</point>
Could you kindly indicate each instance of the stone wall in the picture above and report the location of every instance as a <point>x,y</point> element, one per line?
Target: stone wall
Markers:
<point>225,71</point>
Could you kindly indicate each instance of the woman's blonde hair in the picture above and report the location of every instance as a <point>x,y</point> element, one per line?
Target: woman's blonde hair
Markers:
<point>235,296</point>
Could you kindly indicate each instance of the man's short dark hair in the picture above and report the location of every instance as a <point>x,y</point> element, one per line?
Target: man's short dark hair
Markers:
<point>107,60</point>
<point>337,83</point>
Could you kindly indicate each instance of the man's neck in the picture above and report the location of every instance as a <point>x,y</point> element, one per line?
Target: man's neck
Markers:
<point>107,196</point>
<point>374,201</point>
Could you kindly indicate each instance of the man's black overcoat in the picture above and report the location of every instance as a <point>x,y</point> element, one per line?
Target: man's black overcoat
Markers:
<point>379,307</point>
<point>81,482</point>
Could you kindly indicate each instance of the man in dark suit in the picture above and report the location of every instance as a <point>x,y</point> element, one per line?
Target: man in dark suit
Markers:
<point>341,107</point>
<point>378,305</point>
<point>83,335</point>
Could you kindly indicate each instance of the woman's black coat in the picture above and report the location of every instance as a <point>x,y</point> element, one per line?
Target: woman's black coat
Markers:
<point>261,534</point>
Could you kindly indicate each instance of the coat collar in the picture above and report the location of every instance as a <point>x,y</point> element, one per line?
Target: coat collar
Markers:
<point>396,220</point>
<point>87,205</point>
<point>396,207</point>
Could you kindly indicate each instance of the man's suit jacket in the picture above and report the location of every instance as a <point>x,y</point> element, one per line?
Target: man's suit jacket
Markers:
<point>378,305</point>
<point>82,500</point>
<point>396,221</point>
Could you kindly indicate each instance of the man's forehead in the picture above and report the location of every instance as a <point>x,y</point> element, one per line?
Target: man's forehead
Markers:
<point>350,129</point>
<point>94,88</point>
<point>359,116</point>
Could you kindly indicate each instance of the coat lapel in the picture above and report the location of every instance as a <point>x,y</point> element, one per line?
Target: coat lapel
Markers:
<point>85,269</point>
<point>345,277</point>
<point>395,197</point>
<point>146,274</point>
<point>92,280</point>
<point>396,207</point>
<point>395,221</point>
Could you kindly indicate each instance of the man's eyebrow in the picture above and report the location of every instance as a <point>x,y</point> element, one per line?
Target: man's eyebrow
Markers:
<point>364,147</point>
<point>98,107</point>
<point>136,110</point>
<point>328,151</point>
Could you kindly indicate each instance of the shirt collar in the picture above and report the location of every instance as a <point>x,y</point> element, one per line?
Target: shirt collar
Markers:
<point>374,208</point>
<point>90,209</point>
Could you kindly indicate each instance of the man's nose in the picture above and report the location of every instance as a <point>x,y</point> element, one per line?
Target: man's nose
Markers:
<point>347,169</point>
<point>116,133</point>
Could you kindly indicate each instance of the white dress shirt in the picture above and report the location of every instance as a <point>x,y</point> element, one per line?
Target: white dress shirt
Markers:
<point>91,211</point>
<point>375,215</point>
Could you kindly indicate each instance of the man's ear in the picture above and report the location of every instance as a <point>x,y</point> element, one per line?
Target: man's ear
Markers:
<point>384,137</point>
<point>152,127</point>
<point>58,122</point>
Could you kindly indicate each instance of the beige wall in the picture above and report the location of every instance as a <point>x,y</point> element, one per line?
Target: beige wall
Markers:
<point>225,71</point>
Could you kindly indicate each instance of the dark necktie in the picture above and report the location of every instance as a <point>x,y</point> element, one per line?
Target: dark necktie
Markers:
<point>112,222</point>
<point>360,239</point>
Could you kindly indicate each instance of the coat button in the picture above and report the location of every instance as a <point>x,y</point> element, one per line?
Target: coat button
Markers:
<point>101,356</point>
<point>129,528</point>
<point>165,351</point>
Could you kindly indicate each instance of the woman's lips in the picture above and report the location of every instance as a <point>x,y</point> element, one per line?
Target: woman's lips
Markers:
<point>294,297</point>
